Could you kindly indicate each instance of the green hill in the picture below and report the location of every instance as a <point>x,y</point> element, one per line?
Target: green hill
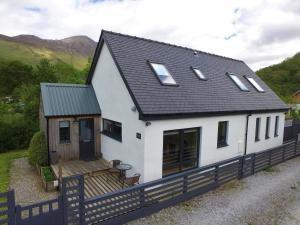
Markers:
<point>30,49</point>
<point>10,51</point>
<point>283,78</point>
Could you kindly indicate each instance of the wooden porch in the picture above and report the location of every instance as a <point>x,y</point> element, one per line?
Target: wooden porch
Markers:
<point>76,167</point>
<point>97,180</point>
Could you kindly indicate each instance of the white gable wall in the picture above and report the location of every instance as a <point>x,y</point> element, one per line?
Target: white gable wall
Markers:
<point>116,104</point>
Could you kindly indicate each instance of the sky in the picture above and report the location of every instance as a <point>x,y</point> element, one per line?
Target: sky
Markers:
<point>260,32</point>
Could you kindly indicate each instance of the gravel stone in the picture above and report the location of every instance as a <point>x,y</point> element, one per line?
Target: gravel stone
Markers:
<point>268,198</point>
<point>27,184</point>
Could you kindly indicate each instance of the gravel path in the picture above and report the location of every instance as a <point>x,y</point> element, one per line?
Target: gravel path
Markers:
<point>27,183</point>
<point>269,198</point>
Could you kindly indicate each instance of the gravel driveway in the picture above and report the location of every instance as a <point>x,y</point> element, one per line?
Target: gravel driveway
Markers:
<point>27,184</point>
<point>270,197</point>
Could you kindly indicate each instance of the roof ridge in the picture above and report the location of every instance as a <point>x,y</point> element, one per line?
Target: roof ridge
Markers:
<point>173,45</point>
<point>65,85</point>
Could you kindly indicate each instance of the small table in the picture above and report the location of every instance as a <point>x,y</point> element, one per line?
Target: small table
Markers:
<point>123,168</point>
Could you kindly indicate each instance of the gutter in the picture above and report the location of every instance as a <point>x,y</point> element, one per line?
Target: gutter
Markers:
<point>246,133</point>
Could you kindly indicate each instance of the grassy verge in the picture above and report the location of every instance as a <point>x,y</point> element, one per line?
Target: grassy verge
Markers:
<point>5,162</point>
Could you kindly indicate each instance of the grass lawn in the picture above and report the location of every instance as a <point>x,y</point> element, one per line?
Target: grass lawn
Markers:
<point>5,162</point>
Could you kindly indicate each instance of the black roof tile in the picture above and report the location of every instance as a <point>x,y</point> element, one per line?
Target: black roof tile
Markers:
<point>192,96</point>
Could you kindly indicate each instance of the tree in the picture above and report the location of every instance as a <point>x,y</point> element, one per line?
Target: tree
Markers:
<point>13,74</point>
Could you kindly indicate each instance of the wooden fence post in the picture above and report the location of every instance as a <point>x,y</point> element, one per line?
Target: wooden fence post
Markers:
<point>253,163</point>
<point>142,197</point>
<point>283,153</point>
<point>11,207</point>
<point>184,188</point>
<point>73,199</point>
<point>241,167</point>
<point>217,175</point>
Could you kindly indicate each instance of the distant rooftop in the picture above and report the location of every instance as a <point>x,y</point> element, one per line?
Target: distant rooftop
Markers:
<point>69,100</point>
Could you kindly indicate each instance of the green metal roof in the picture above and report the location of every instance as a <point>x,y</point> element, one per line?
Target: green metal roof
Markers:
<point>69,100</point>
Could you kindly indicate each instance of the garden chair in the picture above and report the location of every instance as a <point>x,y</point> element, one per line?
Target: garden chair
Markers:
<point>131,181</point>
<point>113,170</point>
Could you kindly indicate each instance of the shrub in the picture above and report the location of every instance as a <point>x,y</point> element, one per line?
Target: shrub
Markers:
<point>38,152</point>
<point>15,132</point>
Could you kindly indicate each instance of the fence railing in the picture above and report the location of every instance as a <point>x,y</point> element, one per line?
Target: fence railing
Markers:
<point>141,200</point>
<point>291,129</point>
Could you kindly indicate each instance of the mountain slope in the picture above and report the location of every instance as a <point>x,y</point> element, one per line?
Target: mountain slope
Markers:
<point>30,49</point>
<point>283,78</point>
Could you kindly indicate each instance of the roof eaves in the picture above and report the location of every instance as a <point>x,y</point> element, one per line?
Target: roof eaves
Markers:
<point>205,114</point>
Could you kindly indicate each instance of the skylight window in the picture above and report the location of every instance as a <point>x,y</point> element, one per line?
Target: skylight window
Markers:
<point>255,84</point>
<point>238,82</point>
<point>199,73</point>
<point>163,74</point>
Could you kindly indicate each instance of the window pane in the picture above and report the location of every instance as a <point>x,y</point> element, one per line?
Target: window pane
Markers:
<point>112,129</point>
<point>64,131</point>
<point>276,126</point>
<point>255,84</point>
<point>199,74</point>
<point>171,152</point>
<point>64,124</point>
<point>160,69</point>
<point>257,129</point>
<point>267,128</point>
<point>222,133</point>
<point>238,82</point>
<point>190,145</point>
<point>163,74</point>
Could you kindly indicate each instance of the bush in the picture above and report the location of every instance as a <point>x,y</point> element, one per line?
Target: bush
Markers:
<point>15,132</point>
<point>38,152</point>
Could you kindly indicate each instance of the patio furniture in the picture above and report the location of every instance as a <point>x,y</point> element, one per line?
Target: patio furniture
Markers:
<point>131,181</point>
<point>113,170</point>
<point>122,167</point>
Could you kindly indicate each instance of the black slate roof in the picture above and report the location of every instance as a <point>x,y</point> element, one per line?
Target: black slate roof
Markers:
<point>192,96</point>
<point>68,100</point>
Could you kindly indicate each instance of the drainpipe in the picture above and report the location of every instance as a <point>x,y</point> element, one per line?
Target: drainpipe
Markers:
<point>47,129</point>
<point>246,134</point>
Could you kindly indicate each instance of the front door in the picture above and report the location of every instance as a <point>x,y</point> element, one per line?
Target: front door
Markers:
<point>86,139</point>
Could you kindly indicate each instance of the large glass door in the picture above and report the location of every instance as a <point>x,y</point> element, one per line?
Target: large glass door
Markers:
<point>180,150</point>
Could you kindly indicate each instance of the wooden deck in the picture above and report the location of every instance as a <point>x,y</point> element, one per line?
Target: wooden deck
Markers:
<point>96,179</point>
<point>76,167</point>
<point>100,184</point>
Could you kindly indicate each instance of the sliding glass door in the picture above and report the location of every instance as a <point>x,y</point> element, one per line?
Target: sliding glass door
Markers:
<point>180,150</point>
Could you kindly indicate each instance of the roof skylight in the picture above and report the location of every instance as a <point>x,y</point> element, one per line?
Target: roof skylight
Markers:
<point>199,73</point>
<point>238,82</point>
<point>163,74</point>
<point>255,84</point>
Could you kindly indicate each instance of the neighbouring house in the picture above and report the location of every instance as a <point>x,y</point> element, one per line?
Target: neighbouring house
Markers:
<point>161,108</point>
<point>296,98</point>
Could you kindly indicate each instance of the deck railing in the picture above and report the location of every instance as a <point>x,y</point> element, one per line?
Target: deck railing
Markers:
<point>141,200</point>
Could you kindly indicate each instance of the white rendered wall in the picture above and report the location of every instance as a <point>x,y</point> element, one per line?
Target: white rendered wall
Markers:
<point>263,144</point>
<point>209,153</point>
<point>116,104</point>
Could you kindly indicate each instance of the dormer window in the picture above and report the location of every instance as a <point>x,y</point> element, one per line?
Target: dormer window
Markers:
<point>255,84</point>
<point>238,82</point>
<point>163,74</point>
<point>199,74</point>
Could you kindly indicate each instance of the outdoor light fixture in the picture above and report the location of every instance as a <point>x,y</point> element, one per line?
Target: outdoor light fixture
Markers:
<point>148,123</point>
<point>133,108</point>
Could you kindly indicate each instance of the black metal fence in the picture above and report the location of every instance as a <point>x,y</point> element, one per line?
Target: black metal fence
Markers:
<point>291,129</point>
<point>141,200</point>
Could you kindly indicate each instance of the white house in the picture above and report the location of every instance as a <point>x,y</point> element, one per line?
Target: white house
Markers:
<point>164,108</point>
